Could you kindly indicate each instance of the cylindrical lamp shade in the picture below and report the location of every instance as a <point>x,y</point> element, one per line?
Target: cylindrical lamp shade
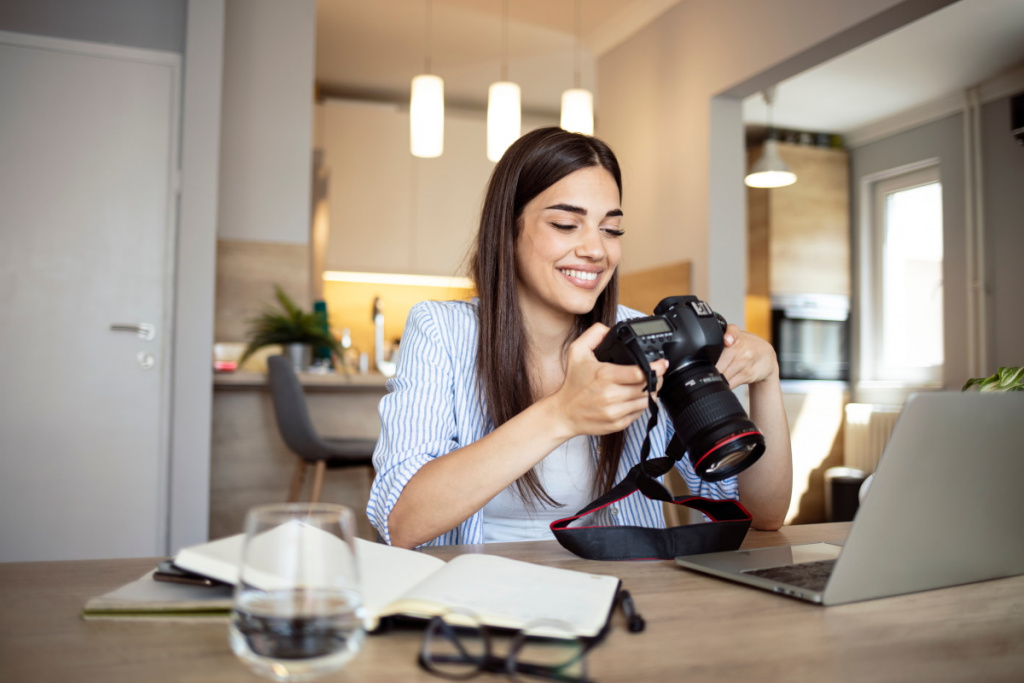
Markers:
<point>426,116</point>
<point>578,111</point>
<point>504,119</point>
<point>770,170</point>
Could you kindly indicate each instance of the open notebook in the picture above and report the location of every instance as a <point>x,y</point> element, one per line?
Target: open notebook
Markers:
<point>396,582</point>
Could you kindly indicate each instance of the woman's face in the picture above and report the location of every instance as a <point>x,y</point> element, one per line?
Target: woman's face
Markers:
<point>568,245</point>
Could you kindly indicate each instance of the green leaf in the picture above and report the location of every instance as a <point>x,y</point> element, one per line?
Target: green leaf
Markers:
<point>1005,379</point>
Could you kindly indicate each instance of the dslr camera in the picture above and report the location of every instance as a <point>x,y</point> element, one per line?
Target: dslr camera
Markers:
<point>719,438</point>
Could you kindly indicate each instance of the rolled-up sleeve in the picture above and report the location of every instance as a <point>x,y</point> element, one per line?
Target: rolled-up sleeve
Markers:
<point>418,415</point>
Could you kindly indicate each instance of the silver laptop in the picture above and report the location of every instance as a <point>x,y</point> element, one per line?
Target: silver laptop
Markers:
<point>945,507</point>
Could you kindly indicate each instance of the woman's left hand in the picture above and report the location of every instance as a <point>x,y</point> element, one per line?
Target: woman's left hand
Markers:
<point>747,359</point>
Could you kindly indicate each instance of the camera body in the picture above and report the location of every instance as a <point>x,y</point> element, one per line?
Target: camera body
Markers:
<point>683,330</point>
<point>719,438</point>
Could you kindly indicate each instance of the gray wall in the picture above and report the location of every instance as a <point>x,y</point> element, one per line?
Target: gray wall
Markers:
<point>266,145</point>
<point>1003,173</point>
<point>152,24</point>
<point>1003,207</point>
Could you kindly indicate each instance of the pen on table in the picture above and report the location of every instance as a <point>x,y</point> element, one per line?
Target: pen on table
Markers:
<point>634,622</point>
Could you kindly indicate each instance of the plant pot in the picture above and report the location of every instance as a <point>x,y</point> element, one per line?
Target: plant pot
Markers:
<point>300,355</point>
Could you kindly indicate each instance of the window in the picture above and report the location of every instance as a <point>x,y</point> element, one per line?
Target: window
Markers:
<point>904,312</point>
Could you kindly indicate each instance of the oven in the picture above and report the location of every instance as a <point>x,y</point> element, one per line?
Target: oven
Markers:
<point>810,333</point>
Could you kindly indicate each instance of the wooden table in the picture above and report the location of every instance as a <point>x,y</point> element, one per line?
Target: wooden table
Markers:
<point>698,629</point>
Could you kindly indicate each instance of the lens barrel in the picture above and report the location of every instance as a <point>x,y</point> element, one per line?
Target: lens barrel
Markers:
<point>720,439</point>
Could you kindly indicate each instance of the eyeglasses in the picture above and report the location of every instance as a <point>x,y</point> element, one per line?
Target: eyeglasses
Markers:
<point>458,646</point>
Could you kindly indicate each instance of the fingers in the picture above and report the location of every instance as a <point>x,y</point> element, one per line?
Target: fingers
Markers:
<point>633,375</point>
<point>592,336</point>
<point>623,414</point>
<point>732,333</point>
<point>747,359</point>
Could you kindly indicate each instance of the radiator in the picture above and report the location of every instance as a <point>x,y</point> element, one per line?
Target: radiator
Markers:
<point>866,429</point>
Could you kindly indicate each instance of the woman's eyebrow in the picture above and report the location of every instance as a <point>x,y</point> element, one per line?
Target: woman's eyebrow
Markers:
<point>581,211</point>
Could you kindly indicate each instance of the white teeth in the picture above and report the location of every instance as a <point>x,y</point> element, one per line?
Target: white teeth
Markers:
<point>579,274</point>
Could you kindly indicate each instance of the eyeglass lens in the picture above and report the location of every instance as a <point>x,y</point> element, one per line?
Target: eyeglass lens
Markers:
<point>460,652</point>
<point>455,651</point>
<point>548,653</point>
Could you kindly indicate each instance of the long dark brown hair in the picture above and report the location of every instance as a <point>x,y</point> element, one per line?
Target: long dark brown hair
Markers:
<point>532,164</point>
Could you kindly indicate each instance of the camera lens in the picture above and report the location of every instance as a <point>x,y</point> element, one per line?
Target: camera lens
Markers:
<point>720,439</point>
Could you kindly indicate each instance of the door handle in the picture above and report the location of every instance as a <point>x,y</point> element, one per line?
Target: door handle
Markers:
<point>146,331</point>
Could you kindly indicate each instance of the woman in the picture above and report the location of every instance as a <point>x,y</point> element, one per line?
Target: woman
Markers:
<point>500,418</point>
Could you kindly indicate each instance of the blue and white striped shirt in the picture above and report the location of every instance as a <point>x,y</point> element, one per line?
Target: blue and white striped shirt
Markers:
<point>433,407</point>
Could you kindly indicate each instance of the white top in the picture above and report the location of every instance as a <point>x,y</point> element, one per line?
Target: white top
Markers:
<point>567,474</point>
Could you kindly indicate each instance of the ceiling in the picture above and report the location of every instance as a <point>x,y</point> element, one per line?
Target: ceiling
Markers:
<point>942,54</point>
<point>373,49</point>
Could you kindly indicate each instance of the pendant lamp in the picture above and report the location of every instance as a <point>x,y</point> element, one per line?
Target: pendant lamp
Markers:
<point>770,170</point>
<point>504,115</point>
<point>577,103</point>
<point>426,106</point>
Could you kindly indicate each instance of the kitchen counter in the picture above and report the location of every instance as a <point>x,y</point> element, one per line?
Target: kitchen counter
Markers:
<point>310,381</point>
<point>251,465</point>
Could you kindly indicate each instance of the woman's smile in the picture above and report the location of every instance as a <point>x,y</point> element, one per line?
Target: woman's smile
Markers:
<point>581,277</point>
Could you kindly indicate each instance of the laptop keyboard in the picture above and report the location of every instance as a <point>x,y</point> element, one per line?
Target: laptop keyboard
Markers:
<point>810,575</point>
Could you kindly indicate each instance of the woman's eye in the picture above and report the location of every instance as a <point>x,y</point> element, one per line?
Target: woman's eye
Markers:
<point>563,226</point>
<point>614,232</point>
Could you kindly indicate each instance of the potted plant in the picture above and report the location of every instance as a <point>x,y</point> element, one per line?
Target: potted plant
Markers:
<point>1005,379</point>
<point>295,330</point>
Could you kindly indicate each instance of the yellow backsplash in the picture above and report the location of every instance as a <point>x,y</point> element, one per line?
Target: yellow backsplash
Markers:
<point>350,304</point>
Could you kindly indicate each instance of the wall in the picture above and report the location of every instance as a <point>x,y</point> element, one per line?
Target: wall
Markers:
<point>267,130</point>
<point>153,24</point>
<point>350,305</point>
<point>657,91</point>
<point>192,395</point>
<point>1003,172</point>
<point>263,225</point>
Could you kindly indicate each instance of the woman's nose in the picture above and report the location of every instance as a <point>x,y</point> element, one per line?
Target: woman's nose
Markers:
<point>591,245</point>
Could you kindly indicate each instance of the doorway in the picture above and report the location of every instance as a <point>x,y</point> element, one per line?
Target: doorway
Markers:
<point>87,236</point>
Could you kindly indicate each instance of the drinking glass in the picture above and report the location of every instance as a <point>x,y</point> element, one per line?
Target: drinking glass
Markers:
<point>298,609</point>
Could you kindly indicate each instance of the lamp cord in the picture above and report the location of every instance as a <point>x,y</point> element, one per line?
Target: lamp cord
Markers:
<point>576,65</point>
<point>429,36</point>
<point>504,40</point>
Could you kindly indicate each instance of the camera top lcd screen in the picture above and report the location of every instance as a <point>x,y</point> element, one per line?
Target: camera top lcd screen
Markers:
<point>652,326</point>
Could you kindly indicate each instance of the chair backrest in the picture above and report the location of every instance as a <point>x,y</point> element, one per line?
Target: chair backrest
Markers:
<point>290,410</point>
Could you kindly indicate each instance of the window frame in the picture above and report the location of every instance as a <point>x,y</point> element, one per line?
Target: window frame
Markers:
<point>874,190</point>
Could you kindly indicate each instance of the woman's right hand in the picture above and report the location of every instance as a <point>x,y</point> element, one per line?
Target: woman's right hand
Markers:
<point>600,398</point>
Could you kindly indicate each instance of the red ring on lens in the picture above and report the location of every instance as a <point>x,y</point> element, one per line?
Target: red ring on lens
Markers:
<point>723,442</point>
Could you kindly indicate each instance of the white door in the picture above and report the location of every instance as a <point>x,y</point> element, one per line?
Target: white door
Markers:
<point>88,139</point>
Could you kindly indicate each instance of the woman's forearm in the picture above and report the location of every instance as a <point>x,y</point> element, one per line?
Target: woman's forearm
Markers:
<point>451,488</point>
<point>767,486</point>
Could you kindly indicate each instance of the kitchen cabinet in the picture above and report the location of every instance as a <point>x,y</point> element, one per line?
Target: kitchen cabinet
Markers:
<point>391,212</point>
<point>799,236</point>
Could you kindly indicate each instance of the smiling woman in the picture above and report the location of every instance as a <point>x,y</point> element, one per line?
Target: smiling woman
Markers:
<point>500,419</point>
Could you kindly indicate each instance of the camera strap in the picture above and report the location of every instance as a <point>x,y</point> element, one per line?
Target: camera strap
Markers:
<point>592,533</point>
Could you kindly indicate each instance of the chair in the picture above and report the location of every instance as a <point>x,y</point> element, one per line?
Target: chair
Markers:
<point>298,433</point>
